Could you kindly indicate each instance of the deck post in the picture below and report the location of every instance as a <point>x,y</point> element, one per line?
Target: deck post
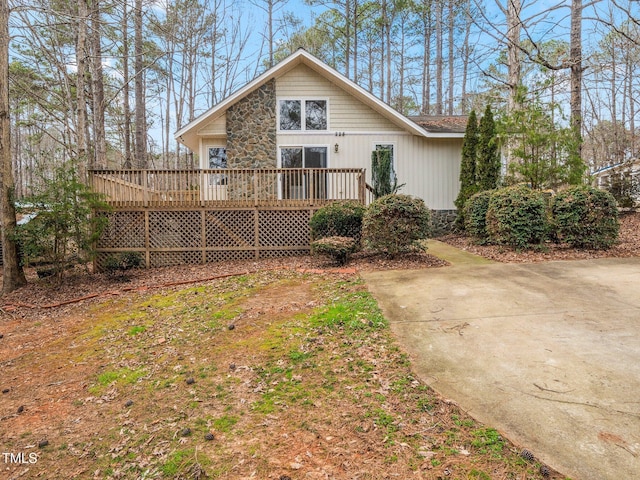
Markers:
<point>255,189</point>
<point>145,188</point>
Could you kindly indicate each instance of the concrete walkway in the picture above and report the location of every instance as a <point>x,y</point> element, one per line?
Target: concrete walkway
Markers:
<point>549,353</point>
<point>454,255</point>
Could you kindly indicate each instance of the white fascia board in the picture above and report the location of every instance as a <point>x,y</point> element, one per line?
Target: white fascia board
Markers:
<point>302,56</point>
<point>222,107</point>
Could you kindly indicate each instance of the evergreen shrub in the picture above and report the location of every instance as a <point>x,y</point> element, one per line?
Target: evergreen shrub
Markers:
<point>395,224</point>
<point>586,217</point>
<point>339,248</point>
<point>339,219</point>
<point>121,262</point>
<point>475,215</point>
<point>516,216</point>
<point>65,230</point>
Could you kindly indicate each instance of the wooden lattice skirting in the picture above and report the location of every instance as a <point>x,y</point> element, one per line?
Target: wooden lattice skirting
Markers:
<point>203,235</point>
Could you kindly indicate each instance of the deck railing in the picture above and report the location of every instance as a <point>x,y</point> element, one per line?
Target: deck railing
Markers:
<point>229,187</point>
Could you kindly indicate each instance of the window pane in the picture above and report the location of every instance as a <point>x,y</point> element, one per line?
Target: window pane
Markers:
<point>290,115</point>
<point>315,114</point>
<point>291,157</point>
<point>315,157</point>
<point>217,157</point>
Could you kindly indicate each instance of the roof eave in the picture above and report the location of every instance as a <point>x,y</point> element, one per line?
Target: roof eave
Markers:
<point>302,56</point>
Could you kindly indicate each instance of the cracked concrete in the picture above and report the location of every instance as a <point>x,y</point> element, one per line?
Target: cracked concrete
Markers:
<point>549,353</point>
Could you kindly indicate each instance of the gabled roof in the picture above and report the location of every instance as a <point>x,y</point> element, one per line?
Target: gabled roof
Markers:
<point>188,136</point>
<point>632,164</point>
<point>441,123</point>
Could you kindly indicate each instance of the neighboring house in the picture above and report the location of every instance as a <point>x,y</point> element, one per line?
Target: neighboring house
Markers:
<point>303,114</point>
<point>605,177</point>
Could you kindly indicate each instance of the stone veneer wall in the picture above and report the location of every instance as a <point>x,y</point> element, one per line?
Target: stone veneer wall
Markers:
<point>251,130</point>
<point>443,221</point>
<point>251,143</point>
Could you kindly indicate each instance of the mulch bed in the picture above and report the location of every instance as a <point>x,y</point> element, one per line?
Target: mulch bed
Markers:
<point>84,285</point>
<point>628,246</point>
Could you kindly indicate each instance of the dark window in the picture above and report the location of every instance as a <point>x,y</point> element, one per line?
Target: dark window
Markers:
<point>217,159</point>
<point>315,114</point>
<point>306,181</point>
<point>290,115</point>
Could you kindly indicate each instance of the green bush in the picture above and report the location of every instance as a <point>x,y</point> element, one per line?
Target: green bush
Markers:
<point>516,216</point>
<point>624,187</point>
<point>339,219</point>
<point>585,217</point>
<point>65,230</point>
<point>395,224</point>
<point>121,262</point>
<point>475,215</point>
<point>339,248</point>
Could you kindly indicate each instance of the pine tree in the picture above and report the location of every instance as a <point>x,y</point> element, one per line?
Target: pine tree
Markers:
<point>488,166</point>
<point>468,163</point>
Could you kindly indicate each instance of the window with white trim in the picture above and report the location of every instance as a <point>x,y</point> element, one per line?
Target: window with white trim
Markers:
<point>217,160</point>
<point>306,178</point>
<point>302,115</point>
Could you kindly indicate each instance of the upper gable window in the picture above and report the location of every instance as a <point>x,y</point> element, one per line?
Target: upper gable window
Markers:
<point>298,115</point>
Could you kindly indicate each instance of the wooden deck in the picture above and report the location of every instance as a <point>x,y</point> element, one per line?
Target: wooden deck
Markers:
<point>229,188</point>
<point>175,217</point>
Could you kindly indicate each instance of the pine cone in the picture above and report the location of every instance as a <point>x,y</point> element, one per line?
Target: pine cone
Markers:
<point>527,455</point>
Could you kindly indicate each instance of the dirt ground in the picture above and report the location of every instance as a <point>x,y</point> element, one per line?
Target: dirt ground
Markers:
<point>281,374</point>
<point>104,377</point>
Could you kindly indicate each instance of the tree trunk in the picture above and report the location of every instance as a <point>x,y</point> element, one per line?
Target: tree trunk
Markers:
<point>355,41</point>
<point>426,58</point>
<point>12,276</point>
<point>347,38</point>
<point>465,58</point>
<point>439,59</point>
<point>575,54</point>
<point>125,90</point>
<point>452,24</point>
<point>100,158</point>
<point>141,134</point>
<point>514,27</point>
<point>81,107</point>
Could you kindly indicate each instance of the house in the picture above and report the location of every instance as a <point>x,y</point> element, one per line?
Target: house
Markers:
<point>623,178</point>
<point>303,114</point>
<point>297,137</point>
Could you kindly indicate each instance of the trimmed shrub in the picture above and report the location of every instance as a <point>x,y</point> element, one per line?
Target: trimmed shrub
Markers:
<point>395,224</point>
<point>516,216</point>
<point>339,248</point>
<point>585,217</point>
<point>475,215</point>
<point>338,219</point>
<point>121,262</point>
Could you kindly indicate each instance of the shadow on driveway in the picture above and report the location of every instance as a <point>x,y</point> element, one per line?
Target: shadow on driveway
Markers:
<point>547,353</point>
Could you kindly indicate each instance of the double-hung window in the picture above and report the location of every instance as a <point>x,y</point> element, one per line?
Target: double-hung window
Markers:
<point>302,115</point>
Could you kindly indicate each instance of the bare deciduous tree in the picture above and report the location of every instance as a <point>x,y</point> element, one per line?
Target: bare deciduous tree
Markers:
<point>12,276</point>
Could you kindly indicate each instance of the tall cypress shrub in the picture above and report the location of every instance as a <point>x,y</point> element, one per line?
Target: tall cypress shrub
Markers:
<point>383,176</point>
<point>488,166</point>
<point>468,184</point>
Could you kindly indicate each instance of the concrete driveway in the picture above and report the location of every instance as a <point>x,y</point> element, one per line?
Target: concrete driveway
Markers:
<point>548,354</point>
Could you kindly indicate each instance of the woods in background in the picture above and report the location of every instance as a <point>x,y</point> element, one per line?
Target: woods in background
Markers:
<point>106,84</point>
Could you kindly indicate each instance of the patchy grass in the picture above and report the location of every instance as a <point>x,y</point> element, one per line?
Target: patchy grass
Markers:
<point>270,375</point>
